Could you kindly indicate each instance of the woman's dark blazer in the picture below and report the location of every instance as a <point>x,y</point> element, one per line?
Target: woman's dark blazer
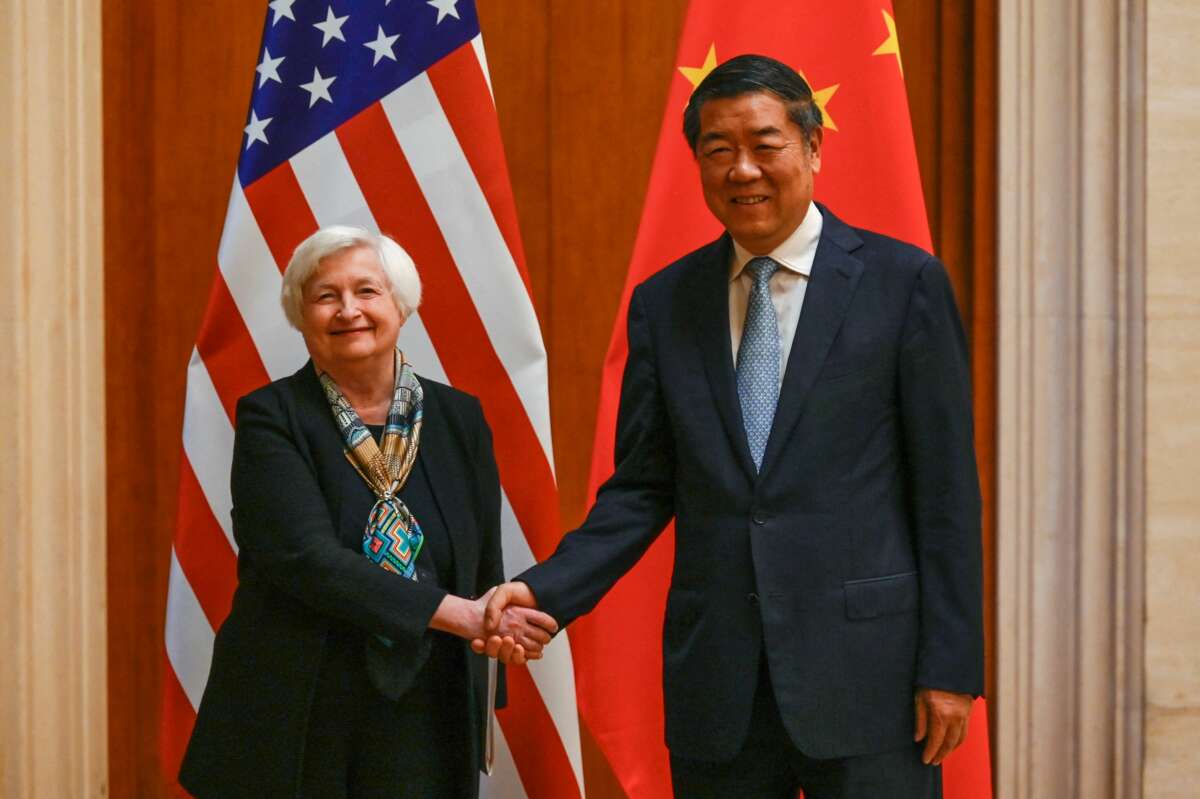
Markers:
<point>299,509</point>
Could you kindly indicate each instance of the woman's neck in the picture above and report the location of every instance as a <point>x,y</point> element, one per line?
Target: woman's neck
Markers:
<point>367,385</point>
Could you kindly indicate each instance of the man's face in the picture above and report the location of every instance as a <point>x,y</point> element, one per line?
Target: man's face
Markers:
<point>755,168</point>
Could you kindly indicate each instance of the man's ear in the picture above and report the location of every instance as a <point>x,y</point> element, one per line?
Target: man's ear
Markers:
<point>815,140</point>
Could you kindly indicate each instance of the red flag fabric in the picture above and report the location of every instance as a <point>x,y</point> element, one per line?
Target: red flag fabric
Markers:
<point>850,55</point>
<point>381,117</point>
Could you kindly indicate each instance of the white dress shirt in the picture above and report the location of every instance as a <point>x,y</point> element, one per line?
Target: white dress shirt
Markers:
<point>788,284</point>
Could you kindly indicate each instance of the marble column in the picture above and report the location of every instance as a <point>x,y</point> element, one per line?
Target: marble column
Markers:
<point>53,732</point>
<point>1172,657</point>
<point>1071,482</point>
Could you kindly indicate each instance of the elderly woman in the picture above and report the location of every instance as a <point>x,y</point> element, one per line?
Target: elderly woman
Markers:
<point>366,512</point>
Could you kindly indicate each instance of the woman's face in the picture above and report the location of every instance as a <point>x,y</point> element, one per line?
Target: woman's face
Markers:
<point>349,315</point>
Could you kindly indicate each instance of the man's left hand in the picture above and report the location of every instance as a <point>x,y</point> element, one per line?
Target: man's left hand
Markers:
<point>941,721</point>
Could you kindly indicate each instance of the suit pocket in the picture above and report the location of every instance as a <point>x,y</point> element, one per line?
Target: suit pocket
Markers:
<point>881,596</point>
<point>845,370</point>
<point>851,387</point>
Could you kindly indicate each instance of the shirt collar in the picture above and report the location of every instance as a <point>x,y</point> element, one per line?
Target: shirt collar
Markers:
<point>795,253</point>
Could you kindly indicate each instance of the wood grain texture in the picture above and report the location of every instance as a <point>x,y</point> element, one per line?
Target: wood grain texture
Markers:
<point>984,324</point>
<point>579,90</point>
<point>611,65</point>
<point>520,78</point>
<point>176,88</point>
<point>137,519</point>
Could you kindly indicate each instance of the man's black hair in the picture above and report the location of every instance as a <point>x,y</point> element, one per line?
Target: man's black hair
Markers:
<point>747,74</point>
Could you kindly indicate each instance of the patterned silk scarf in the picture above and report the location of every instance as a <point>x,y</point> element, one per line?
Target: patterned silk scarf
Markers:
<point>392,538</point>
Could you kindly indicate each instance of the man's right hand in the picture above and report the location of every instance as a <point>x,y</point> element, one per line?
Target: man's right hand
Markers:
<point>500,598</point>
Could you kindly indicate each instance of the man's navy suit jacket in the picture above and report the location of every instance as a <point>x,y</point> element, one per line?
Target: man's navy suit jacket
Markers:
<point>853,559</point>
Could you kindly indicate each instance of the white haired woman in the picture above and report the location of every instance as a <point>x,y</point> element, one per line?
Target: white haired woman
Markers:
<point>366,508</point>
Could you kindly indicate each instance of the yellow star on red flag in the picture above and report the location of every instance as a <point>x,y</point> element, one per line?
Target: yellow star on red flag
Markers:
<point>822,97</point>
<point>697,74</point>
<point>891,45</point>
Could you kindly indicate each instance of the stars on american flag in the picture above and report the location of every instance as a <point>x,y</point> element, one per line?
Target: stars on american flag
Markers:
<point>445,8</point>
<point>268,69</point>
<point>331,28</point>
<point>382,46</point>
<point>318,88</point>
<point>255,130</point>
<point>356,52</point>
<point>283,10</point>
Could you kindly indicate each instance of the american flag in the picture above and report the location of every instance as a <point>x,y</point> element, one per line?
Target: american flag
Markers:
<point>375,113</point>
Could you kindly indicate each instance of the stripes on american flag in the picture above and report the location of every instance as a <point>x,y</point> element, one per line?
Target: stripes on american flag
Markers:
<point>404,140</point>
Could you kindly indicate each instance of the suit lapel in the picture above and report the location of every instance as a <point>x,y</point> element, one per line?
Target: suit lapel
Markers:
<point>711,302</point>
<point>446,482</point>
<point>344,489</point>
<point>831,286</point>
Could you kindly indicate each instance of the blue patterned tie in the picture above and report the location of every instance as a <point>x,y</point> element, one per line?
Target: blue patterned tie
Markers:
<point>758,360</point>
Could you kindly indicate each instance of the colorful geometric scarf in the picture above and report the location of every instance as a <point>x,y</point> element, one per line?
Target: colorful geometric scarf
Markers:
<point>392,538</point>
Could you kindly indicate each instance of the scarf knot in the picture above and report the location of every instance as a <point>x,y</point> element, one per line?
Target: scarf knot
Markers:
<point>392,538</point>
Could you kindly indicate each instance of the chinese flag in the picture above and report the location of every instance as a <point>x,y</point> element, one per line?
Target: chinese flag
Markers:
<point>849,54</point>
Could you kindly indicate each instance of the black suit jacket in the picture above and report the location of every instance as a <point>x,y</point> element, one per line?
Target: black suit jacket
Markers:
<point>853,559</point>
<point>299,509</point>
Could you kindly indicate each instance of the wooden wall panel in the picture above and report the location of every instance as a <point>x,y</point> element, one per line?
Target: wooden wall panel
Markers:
<point>177,80</point>
<point>580,112</point>
<point>580,91</point>
<point>984,321</point>
<point>521,83</point>
<point>612,65</point>
<point>135,574</point>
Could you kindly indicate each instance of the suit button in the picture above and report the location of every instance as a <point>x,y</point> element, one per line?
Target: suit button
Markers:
<point>753,598</point>
<point>760,518</point>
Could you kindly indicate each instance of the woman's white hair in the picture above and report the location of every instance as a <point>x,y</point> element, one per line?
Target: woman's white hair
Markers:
<point>398,267</point>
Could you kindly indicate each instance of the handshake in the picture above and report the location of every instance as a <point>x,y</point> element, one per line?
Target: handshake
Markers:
<point>511,629</point>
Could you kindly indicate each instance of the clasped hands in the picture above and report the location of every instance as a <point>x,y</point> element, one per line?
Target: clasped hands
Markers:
<point>513,630</point>
<point>504,623</point>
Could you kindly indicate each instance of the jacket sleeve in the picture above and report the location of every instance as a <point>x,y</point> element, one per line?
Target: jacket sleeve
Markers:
<point>284,533</point>
<point>632,507</point>
<point>943,485</point>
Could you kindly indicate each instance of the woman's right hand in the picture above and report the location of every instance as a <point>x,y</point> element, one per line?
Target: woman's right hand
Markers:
<point>520,635</point>
<point>528,629</point>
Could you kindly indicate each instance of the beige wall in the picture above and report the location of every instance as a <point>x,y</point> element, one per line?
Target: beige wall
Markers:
<point>1070,380</point>
<point>53,734</point>
<point>1172,658</point>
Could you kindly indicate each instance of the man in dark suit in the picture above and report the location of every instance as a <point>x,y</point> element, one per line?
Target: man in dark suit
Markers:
<point>797,396</point>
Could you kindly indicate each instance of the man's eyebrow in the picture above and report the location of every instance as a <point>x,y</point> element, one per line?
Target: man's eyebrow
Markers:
<point>712,135</point>
<point>716,135</point>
